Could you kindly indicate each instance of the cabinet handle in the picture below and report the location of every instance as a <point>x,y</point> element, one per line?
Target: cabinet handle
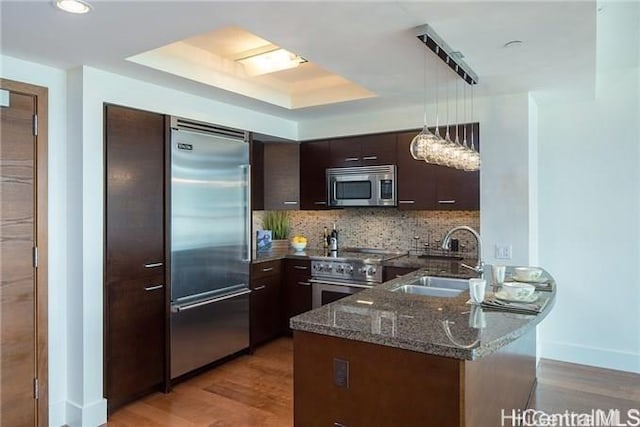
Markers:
<point>304,283</point>
<point>370,158</point>
<point>352,159</point>
<point>264,270</point>
<point>406,202</point>
<point>300,267</point>
<point>337,424</point>
<point>259,288</point>
<point>319,203</point>
<point>153,264</point>
<point>446,202</point>
<point>290,203</point>
<point>153,288</point>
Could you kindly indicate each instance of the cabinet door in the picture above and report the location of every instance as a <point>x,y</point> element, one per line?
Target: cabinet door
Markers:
<point>457,189</point>
<point>135,346</point>
<point>345,152</point>
<point>134,199</point>
<point>297,291</point>
<point>416,179</point>
<point>265,309</point>
<point>314,160</point>
<point>281,176</point>
<point>378,149</point>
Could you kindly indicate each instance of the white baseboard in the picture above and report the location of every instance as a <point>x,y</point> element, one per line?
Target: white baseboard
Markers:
<point>57,414</point>
<point>593,356</point>
<point>91,415</point>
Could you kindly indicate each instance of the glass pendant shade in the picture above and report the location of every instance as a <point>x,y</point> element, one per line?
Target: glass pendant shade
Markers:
<point>422,144</point>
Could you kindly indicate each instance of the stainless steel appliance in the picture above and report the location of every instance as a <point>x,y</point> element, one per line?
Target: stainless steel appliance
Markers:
<point>210,243</point>
<point>350,271</point>
<point>362,186</point>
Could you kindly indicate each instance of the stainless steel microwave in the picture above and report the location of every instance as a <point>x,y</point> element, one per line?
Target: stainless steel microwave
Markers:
<point>362,186</point>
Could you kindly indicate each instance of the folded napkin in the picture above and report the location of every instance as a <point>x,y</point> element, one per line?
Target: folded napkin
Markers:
<point>494,303</point>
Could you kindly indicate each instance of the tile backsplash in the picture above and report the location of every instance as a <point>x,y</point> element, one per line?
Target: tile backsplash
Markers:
<point>384,228</point>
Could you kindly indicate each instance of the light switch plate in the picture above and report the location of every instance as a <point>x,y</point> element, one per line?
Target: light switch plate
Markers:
<point>503,251</point>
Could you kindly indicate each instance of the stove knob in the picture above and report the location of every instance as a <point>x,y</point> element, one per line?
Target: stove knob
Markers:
<point>329,268</point>
<point>340,269</point>
<point>363,270</point>
<point>371,271</point>
<point>320,267</point>
<point>349,269</point>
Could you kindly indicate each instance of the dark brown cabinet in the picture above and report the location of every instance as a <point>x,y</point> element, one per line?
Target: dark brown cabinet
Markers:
<point>281,176</point>
<point>431,187</point>
<point>297,289</point>
<point>314,160</point>
<point>134,253</point>
<point>416,179</point>
<point>266,316</point>
<point>365,150</point>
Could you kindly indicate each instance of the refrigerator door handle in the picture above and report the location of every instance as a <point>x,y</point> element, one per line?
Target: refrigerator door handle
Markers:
<point>185,307</point>
<point>247,219</point>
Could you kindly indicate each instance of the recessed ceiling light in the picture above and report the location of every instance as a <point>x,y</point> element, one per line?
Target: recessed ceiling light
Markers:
<point>513,43</point>
<point>73,6</point>
<point>271,61</point>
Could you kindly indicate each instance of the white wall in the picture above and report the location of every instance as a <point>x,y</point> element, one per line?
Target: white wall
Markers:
<point>590,206</point>
<point>55,81</point>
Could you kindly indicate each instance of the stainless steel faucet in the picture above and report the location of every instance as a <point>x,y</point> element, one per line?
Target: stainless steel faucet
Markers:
<point>446,242</point>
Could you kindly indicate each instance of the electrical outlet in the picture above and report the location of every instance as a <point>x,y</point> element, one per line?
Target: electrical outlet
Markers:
<point>503,251</point>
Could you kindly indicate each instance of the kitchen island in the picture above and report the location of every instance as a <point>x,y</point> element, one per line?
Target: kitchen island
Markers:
<point>389,358</point>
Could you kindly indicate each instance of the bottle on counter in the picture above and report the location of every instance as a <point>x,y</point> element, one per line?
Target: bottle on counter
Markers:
<point>333,239</point>
<point>325,239</point>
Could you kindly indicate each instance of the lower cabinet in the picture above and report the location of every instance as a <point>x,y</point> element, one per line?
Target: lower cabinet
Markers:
<point>265,304</point>
<point>135,338</point>
<point>296,290</point>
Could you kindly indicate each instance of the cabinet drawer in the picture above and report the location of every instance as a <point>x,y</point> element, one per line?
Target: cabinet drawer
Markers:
<point>265,269</point>
<point>300,267</point>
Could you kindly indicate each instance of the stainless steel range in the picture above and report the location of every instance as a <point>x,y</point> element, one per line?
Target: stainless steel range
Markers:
<point>347,272</point>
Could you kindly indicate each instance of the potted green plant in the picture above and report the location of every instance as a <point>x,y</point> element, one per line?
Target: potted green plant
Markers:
<point>278,223</point>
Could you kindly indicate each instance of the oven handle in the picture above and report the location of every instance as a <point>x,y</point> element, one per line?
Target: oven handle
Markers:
<point>350,285</point>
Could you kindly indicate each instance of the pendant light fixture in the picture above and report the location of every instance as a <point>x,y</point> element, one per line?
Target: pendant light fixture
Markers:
<point>430,147</point>
<point>423,140</point>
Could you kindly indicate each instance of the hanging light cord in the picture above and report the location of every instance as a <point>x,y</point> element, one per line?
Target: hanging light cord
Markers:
<point>437,94</point>
<point>473,146</point>
<point>424,83</point>
<point>446,92</point>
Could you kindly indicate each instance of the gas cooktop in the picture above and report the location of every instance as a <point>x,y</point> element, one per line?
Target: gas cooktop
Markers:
<point>352,264</point>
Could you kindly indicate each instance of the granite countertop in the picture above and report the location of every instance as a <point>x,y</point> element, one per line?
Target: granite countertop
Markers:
<point>439,326</point>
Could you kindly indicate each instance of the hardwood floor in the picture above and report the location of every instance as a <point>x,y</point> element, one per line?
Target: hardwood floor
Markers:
<point>252,390</point>
<point>257,390</point>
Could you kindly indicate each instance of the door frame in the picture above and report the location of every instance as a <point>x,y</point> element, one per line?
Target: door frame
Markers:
<point>41,95</point>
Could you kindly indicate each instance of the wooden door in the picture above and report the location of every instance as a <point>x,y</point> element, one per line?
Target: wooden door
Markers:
<point>345,152</point>
<point>314,161</point>
<point>23,329</point>
<point>379,149</point>
<point>416,178</point>
<point>281,176</point>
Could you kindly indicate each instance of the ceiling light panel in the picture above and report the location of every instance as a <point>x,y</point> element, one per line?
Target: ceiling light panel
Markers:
<point>271,62</point>
<point>73,6</point>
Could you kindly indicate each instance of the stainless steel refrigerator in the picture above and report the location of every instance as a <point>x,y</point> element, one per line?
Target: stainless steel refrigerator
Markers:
<point>210,243</point>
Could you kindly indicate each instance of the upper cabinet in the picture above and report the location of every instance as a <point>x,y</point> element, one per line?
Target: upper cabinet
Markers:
<point>281,175</point>
<point>314,160</point>
<point>423,186</point>
<point>365,150</point>
<point>416,179</point>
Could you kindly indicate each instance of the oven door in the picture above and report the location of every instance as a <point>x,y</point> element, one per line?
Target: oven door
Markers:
<point>325,291</point>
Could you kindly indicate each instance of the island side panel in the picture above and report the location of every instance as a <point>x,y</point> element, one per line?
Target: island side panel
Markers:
<point>386,386</point>
<point>502,380</point>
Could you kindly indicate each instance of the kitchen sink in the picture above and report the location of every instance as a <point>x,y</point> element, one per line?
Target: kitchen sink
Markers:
<point>434,287</point>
